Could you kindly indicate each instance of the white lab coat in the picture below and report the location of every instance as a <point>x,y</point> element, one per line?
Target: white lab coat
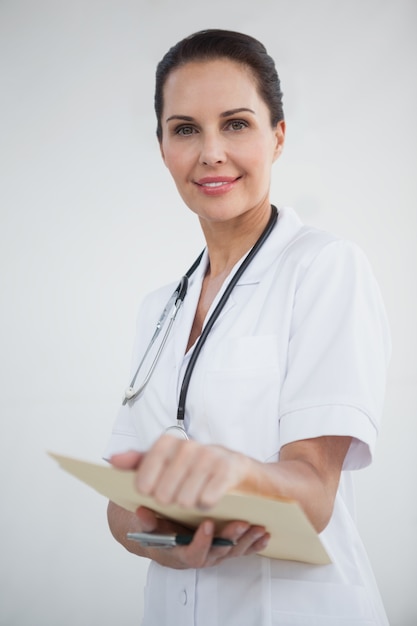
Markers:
<point>299,351</point>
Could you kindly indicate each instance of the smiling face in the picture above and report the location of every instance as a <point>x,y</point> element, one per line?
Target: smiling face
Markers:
<point>217,139</point>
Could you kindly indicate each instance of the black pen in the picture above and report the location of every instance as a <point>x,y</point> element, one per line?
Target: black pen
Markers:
<point>156,540</point>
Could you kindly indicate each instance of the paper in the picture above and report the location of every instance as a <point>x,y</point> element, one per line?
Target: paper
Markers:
<point>292,535</point>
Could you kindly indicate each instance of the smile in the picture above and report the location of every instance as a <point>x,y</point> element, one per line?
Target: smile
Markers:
<point>217,185</point>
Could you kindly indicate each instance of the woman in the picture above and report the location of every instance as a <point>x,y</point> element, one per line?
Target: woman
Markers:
<point>286,388</point>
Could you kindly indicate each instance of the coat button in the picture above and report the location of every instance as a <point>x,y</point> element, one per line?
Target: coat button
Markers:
<point>183,597</point>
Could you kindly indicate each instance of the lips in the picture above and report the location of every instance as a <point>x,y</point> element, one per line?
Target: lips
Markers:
<point>217,185</point>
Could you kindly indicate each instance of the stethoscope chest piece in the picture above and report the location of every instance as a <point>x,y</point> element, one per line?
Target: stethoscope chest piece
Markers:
<point>177,431</point>
<point>129,393</point>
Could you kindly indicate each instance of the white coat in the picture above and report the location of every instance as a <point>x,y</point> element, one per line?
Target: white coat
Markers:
<point>299,351</point>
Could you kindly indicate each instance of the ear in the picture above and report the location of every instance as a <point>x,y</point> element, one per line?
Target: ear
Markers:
<point>279,133</point>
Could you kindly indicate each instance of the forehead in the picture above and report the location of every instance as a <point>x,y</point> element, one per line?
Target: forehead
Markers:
<point>219,82</point>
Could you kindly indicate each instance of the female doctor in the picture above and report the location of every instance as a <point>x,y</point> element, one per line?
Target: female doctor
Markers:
<point>273,370</point>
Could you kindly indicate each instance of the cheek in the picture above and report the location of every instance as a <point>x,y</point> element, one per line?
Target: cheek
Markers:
<point>177,162</point>
<point>172,164</point>
<point>259,160</point>
<point>257,152</point>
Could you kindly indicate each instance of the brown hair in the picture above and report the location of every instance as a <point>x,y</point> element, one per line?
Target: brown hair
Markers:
<point>216,44</point>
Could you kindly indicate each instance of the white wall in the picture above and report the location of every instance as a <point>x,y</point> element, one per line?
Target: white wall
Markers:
<point>90,221</point>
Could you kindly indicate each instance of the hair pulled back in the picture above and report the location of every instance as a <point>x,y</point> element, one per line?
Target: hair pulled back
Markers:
<point>213,44</point>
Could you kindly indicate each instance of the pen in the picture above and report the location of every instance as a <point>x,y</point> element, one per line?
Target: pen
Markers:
<point>167,541</point>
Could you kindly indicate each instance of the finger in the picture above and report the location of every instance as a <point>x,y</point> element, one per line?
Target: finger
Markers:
<point>235,530</point>
<point>201,553</point>
<point>177,475</point>
<point>126,460</point>
<point>248,539</point>
<point>188,474</point>
<point>197,475</point>
<point>191,556</point>
<point>253,540</point>
<point>155,463</point>
<point>204,553</point>
<point>201,544</point>
<point>226,471</point>
<point>259,545</point>
<point>147,518</point>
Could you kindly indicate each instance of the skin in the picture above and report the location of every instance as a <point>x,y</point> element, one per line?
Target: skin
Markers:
<point>219,146</point>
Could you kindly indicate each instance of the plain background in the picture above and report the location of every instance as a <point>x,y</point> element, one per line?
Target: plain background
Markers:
<point>90,221</point>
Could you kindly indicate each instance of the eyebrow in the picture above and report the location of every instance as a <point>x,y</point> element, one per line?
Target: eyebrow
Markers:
<point>239,110</point>
<point>188,118</point>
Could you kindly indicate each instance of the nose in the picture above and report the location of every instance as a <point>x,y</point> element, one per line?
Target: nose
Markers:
<point>212,150</point>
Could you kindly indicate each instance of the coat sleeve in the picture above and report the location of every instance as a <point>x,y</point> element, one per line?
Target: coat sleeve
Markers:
<point>338,354</point>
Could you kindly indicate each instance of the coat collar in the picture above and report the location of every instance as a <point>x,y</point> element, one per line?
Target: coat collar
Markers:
<point>287,227</point>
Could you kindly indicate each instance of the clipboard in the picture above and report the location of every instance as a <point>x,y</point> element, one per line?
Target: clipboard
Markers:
<point>292,535</point>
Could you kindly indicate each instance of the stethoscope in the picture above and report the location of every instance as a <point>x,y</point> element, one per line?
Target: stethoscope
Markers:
<point>171,310</point>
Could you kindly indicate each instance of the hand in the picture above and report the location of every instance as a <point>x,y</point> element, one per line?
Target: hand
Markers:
<point>200,553</point>
<point>186,473</point>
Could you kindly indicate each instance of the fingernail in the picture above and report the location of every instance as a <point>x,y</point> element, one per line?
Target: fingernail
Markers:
<point>240,530</point>
<point>208,528</point>
<point>146,527</point>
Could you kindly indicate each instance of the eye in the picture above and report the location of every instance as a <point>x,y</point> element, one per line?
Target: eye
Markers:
<point>184,131</point>
<point>237,124</point>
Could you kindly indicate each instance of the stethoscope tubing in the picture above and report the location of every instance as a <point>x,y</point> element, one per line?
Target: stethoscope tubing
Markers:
<point>176,301</point>
<point>215,315</point>
<point>130,394</point>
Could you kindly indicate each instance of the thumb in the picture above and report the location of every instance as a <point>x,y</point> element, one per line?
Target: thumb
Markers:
<point>126,460</point>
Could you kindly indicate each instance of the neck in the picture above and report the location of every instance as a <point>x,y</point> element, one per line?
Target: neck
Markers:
<point>228,242</point>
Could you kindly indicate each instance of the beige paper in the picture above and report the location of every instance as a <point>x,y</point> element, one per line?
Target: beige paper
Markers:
<point>292,536</point>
